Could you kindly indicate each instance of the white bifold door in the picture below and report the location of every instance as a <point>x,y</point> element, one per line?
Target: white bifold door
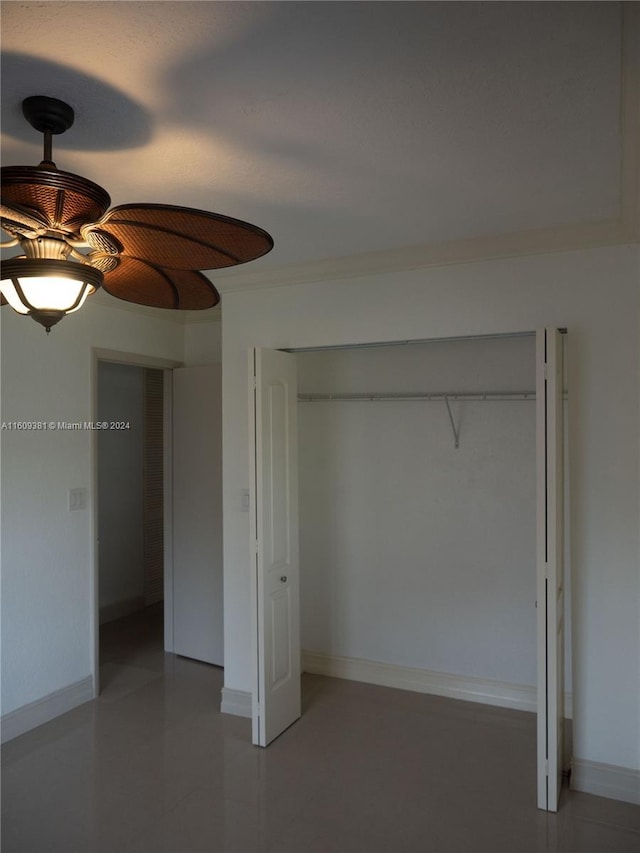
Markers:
<point>550,564</point>
<point>197,513</point>
<point>274,533</point>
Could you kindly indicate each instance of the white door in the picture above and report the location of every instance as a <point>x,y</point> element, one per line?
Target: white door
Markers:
<point>197,513</point>
<point>550,565</point>
<point>274,535</point>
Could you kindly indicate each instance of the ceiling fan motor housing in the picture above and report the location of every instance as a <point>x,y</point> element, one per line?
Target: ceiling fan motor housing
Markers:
<point>52,248</point>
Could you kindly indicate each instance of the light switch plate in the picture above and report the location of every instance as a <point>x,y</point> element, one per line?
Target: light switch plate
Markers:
<point>77,499</point>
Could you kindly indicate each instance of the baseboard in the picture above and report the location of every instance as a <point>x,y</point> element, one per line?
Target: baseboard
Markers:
<point>522,697</point>
<point>237,702</point>
<point>120,609</point>
<point>606,780</point>
<point>42,710</point>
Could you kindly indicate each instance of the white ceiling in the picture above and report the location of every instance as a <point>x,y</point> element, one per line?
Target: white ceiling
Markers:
<point>341,128</point>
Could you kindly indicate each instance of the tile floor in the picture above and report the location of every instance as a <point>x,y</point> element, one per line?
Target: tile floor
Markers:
<point>153,767</point>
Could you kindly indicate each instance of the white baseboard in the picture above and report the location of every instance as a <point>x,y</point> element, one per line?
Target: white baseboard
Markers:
<point>237,702</point>
<point>120,609</point>
<point>522,697</point>
<point>606,780</point>
<point>42,710</point>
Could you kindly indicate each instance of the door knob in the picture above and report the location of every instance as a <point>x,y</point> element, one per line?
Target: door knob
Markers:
<point>283,578</point>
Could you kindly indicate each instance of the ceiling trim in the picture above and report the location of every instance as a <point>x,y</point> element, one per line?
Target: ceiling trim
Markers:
<point>536,241</point>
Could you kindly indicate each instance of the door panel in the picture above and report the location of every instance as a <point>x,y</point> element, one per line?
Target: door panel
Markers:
<point>197,513</point>
<point>550,565</point>
<point>274,530</point>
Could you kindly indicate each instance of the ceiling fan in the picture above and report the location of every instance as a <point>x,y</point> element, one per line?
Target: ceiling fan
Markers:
<point>150,254</point>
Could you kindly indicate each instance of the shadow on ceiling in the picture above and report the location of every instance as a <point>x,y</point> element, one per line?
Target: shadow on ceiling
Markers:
<point>106,119</point>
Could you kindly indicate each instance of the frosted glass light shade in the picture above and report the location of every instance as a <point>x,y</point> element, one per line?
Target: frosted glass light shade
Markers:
<point>8,290</point>
<point>47,289</point>
<point>51,293</point>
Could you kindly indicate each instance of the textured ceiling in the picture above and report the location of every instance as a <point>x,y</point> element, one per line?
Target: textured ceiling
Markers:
<point>339,127</point>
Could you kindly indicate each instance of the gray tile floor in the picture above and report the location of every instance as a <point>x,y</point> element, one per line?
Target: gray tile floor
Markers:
<point>152,766</point>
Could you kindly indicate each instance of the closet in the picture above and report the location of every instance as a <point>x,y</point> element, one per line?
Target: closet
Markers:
<point>417,501</point>
<point>407,520</point>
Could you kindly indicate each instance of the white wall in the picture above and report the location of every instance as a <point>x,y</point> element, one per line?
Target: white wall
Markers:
<point>197,513</point>
<point>120,490</point>
<point>413,552</point>
<point>46,551</point>
<point>593,293</point>
<point>203,343</point>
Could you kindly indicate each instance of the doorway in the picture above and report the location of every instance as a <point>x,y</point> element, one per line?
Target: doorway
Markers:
<point>165,367</point>
<point>130,491</point>
<point>182,520</point>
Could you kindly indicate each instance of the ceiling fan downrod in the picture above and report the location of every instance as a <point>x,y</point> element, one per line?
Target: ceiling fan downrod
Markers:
<point>48,116</point>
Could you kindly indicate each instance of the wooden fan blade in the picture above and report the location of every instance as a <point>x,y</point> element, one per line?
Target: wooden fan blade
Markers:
<point>137,281</point>
<point>16,219</point>
<point>61,200</point>
<point>182,238</point>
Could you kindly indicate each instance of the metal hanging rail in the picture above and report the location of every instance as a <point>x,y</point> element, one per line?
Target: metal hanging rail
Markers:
<point>447,397</point>
<point>421,396</point>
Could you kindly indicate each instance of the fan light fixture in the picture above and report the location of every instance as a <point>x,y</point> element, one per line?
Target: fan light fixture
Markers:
<point>150,254</point>
<point>47,289</point>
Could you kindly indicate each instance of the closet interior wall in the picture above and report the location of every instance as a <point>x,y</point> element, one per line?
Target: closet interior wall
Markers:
<point>414,552</point>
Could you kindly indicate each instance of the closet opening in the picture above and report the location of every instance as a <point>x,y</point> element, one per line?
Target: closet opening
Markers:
<point>417,502</point>
<point>417,556</point>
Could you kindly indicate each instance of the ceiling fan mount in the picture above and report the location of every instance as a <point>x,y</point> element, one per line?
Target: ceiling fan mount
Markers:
<point>149,254</point>
<point>44,113</point>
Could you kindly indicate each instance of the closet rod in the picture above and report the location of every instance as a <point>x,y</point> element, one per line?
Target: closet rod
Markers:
<point>452,396</point>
